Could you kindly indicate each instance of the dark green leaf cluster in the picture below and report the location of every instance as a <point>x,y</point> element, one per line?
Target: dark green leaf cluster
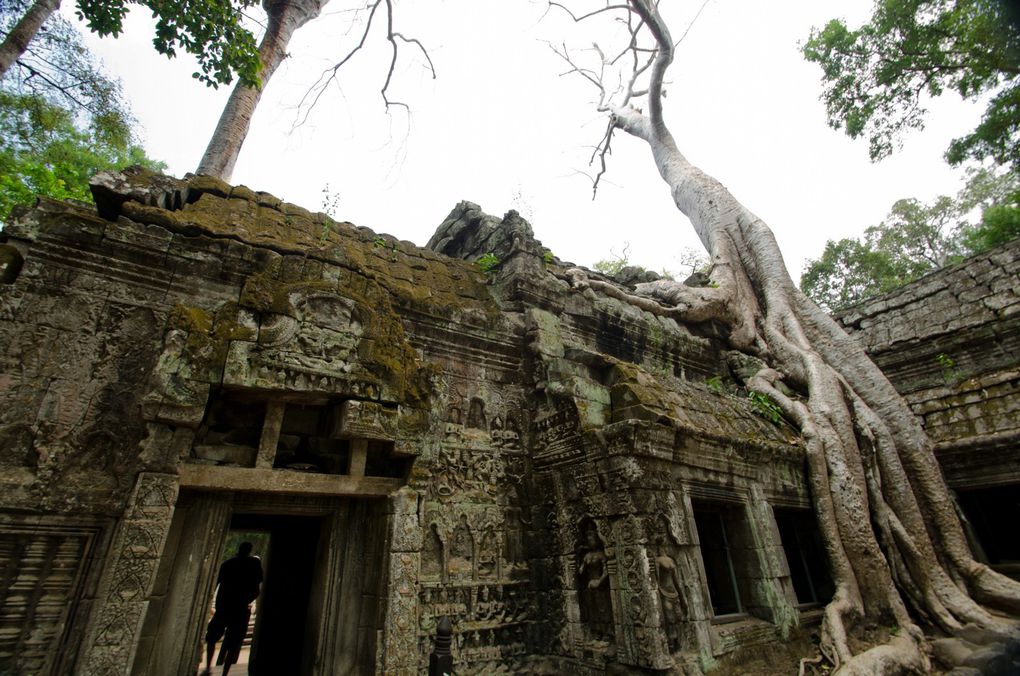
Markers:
<point>59,68</point>
<point>876,78</point>
<point>43,152</point>
<point>914,239</point>
<point>210,30</point>
<point>61,118</point>
<point>487,263</point>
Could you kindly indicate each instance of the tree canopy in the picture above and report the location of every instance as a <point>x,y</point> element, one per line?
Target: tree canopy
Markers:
<point>210,30</point>
<point>876,77</point>
<point>61,120</point>
<point>916,238</point>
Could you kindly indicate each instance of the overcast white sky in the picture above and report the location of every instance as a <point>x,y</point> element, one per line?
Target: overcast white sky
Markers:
<point>501,128</point>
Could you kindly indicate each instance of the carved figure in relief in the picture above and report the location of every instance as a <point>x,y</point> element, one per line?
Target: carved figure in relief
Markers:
<point>461,549</point>
<point>488,555</point>
<point>239,582</point>
<point>432,554</point>
<point>671,597</point>
<point>476,415</point>
<point>593,574</point>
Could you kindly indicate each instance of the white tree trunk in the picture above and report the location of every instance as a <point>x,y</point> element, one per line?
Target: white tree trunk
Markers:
<point>285,17</point>
<point>890,527</point>
<point>16,42</point>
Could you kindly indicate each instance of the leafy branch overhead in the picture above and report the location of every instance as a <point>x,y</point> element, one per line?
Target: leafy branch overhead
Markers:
<point>62,119</point>
<point>210,30</point>
<point>878,78</point>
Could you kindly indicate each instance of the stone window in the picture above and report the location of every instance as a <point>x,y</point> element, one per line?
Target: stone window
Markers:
<point>306,441</point>
<point>230,432</point>
<point>992,514</point>
<point>805,556</point>
<point>729,561</point>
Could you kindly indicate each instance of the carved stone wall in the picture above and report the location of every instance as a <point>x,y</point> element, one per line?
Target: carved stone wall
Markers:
<point>556,471</point>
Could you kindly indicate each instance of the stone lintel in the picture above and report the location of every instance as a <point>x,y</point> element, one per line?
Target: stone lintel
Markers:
<point>283,481</point>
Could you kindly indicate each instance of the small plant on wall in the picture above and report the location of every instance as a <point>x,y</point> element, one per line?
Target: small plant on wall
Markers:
<point>488,262</point>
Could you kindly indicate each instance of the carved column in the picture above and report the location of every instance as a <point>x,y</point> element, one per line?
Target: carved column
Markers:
<point>130,571</point>
<point>270,434</point>
<point>398,652</point>
<point>775,590</point>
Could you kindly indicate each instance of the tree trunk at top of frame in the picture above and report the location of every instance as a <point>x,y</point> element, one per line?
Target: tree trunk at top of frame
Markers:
<point>890,528</point>
<point>285,17</point>
<point>16,42</point>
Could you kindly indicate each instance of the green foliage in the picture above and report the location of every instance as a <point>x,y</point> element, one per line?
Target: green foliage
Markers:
<point>378,242</point>
<point>488,262</point>
<point>330,203</point>
<point>43,151</point>
<point>763,405</point>
<point>876,77</point>
<point>715,384</point>
<point>58,67</point>
<point>61,119</point>
<point>547,257</point>
<point>949,373</point>
<point>613,266</point>
<point>210,30</point>
<point>914,239</point>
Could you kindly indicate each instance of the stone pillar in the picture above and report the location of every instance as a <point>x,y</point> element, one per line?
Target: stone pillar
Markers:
<point>773,589</point>
<point>697,632</point>
<point>270,434</point>
<point>398,651</point>
<point>179,603</point>
<point>129,573</point>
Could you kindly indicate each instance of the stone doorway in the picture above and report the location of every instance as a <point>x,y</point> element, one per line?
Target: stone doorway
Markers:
<point>318,612</point>
<point>281,640</point>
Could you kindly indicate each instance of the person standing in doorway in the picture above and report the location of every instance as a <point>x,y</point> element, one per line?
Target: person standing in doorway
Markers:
<point>239,583</point>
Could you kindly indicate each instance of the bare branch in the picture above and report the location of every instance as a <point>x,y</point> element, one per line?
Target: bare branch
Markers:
<point>691,24</point>
<point>315,92</point>
<point>603,148</point>
<point>578,19</point>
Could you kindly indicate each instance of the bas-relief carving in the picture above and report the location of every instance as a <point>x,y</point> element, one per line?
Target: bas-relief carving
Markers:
<point>500,545</point>
<point>593,585</point>
<point>130,573</point>
<point>173,396</point>
<point>672,599</point>
<point>315,348</point>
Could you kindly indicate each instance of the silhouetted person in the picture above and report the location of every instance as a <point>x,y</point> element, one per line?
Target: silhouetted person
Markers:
<point>238,584</point>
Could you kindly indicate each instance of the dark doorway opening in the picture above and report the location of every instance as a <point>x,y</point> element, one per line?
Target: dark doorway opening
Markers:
<point>993,514</point>
<point>805,556</point>
<point>283,640</point>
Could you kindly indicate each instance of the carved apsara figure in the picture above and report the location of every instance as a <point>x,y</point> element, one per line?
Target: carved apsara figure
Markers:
<point>461,550</point>
<point>593,575</point>
<point>671,596</point>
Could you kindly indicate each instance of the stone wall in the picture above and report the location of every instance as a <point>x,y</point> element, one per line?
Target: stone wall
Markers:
<point>532,460</point>
<point>950,344</point>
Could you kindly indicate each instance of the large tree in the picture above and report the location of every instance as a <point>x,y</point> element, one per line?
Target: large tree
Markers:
<point>878,76</point>
<point>915,239</point>
<point>62,119</point>
<point>284,18</point>
<point>892,535</point>
<point>210,30</point>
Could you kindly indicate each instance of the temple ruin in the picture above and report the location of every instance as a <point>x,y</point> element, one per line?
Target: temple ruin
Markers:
<point>579,485</point>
